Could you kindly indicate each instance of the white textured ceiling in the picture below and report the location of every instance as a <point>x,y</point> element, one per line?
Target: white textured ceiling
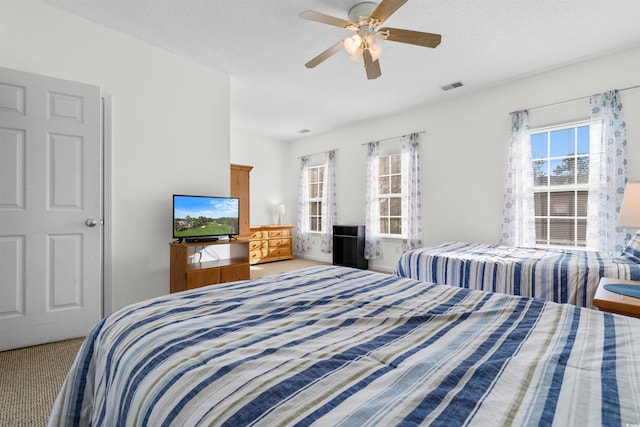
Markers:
<point>263,45</point>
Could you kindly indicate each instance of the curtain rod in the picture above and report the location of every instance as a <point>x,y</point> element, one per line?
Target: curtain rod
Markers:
<point>393,137</point>
<point>316,154</point>
<point>573,99</point>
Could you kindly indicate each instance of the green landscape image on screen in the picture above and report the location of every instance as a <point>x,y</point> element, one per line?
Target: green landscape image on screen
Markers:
<point>204,216</point>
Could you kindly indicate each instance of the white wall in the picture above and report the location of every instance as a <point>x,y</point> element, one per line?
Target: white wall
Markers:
<point>464,148</point>
<point>270,160</point>
<point>170,128</point>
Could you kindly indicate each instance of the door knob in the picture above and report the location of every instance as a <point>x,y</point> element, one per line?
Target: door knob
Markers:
<point>92,222</point>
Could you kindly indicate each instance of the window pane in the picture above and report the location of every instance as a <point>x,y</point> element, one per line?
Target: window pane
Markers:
<point>581,238</point>
<point>561,231</point>
<point>395,164</point>
<point>313,191</point>
<point>384,225</point>
<point>395,206</point>
<point>540,172</point>
<point>562,142</point>
<point>395,226</point>
<point>583,140</point>
<point>562,171</point>
<point>540,203</point>
<point>384,185</point>
<point>582,169</point>
<point>313,208</point>
<point>384,207</point>
<point>313,175</point>
<point>383,164</point>
<point>314,224</point>
<point>541,231</point>
<point>562,203</point>
<point>321,174</point>
<point>538,145</point>
<point>396,184</point>
<point>583,199</point>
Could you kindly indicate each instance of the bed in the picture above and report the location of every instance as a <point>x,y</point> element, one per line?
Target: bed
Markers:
<point>333,346</point>
<point>564,276</point>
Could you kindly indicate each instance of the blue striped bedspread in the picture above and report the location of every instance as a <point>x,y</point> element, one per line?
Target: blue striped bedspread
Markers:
<point>332,346</point>
<point>564,276</point>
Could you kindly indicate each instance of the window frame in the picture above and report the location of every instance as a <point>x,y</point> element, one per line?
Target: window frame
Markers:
<point>401,197</point>
<point>548,189</point>
<point>319,200</point>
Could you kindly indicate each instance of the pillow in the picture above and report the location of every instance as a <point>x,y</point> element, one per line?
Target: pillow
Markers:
<point>632,250</point>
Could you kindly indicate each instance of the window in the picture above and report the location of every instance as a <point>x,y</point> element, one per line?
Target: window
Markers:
<point>390,194</point>
<point>316,193</point>
<point>560,157</point>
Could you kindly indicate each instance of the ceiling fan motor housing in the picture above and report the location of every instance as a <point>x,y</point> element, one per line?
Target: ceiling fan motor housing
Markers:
<point>360,12</point>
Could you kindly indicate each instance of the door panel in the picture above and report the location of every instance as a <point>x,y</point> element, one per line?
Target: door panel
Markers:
<point>50,185</point>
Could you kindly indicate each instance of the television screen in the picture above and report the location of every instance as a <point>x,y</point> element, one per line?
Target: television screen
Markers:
<point>205,217</point>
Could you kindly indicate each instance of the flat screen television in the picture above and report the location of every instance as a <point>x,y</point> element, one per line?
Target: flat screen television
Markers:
<point>205,218</point>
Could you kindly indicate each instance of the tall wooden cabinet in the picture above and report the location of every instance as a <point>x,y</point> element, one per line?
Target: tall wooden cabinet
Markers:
<point>240,186</point>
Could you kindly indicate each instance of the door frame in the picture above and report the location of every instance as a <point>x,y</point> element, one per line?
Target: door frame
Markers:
<point>106,132</point>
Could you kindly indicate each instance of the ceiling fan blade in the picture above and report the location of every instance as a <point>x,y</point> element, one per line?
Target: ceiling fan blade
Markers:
<point>324,55</point>
<point>326,19</point>
<point>413,37</point>
<point>385,9</point>
<point>372,67</point>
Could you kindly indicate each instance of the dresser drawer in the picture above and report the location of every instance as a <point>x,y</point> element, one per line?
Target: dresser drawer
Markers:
<point>256,245</point>
<point>274,234</point>
<point>258,235</point>
<point>279,252</point>
<point>257,255</point>
<point>279,243</point>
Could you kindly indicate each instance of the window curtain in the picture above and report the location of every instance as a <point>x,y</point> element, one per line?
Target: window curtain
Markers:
<point>372,242</point>
<point>328,203</point>
<point>303,242</point>
<point>607,172</point>
<point>412,192</point>
<point>518,223</point>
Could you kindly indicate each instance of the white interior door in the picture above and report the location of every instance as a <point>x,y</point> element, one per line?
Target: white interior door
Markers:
<point>50,209</point>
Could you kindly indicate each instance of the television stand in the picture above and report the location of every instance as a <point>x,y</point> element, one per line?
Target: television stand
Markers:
<point>186,274</point>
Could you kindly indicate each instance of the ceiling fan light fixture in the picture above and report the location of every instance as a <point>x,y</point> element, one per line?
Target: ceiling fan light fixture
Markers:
<point>357,55</point>
<point>352,44</point>
<point>374,42</point>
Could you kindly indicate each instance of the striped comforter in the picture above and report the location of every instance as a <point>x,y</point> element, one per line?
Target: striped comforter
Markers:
<point>564,276</point>
<point>340,346</point>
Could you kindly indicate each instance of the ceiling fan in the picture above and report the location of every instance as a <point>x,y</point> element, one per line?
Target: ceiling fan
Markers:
<point>365,20</point>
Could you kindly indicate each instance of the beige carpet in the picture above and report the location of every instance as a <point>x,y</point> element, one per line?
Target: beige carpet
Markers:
<point>268,268</point>
<point>31,377</point>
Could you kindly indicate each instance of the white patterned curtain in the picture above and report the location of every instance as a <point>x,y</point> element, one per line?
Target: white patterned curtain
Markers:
<point>372,242</point>
<point>412,192</point>
<point>328,203</point>
<point>303,242</point>
<point>607,172</point>
<point>518,223</point>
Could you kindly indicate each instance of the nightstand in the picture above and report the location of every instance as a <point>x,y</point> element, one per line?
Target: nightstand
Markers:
<point>616,303</point>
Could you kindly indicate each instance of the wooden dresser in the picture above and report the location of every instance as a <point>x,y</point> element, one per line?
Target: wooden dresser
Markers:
<point>270,243</point>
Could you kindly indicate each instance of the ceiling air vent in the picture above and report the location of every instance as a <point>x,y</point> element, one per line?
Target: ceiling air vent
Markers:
<point>452,86</point>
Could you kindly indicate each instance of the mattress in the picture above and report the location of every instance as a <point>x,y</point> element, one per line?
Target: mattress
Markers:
<point>339,346</point>
<point>564,276</point>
